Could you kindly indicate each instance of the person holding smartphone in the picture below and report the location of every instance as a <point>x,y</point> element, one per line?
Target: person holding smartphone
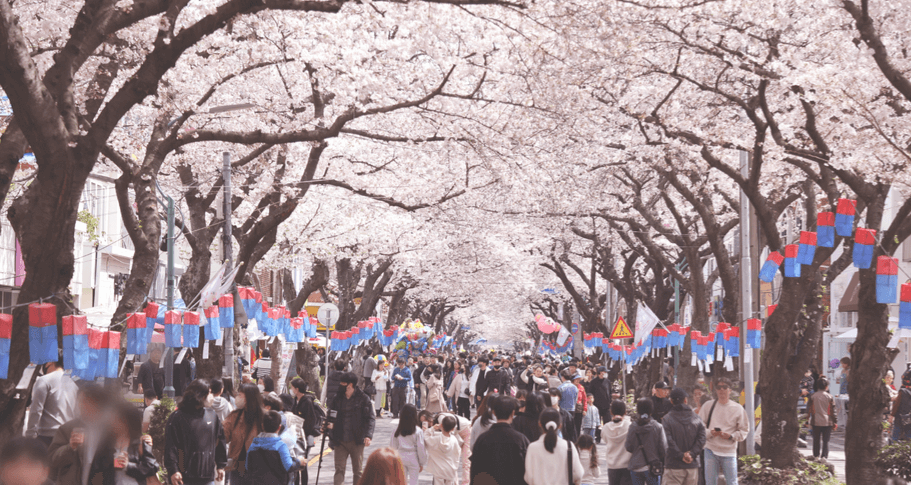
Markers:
<point>728,423</point>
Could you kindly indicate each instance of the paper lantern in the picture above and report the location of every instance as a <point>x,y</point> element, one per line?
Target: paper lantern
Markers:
<point>42,333</point>
<point>732,341</point>
<point>212,326</point>
<point>172,329</point>
<point>791,266</point>
<point>296,332</point>
<point>825,229</point>
<point>6,337</point>
<point>110,354</point>
<point>844,217</point>
<point>154,314</point>
<point>770,310</point>
<point>97,357</point>
<point>76,341</point>
<point>226,311</point>
<point>886,279</point>
<point>770,267</point>
<point>806,250</point>
<point>191,329</point>
<point>864,243</point>
<point>136,333</point>
<point>904,308</point>
<point>247,300</point>
<point>754,333</point>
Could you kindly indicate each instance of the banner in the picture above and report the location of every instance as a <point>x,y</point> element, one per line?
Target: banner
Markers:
<point>646,321</point>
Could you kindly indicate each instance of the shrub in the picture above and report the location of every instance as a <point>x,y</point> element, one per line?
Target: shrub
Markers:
<point>157,430</point>
<point>895,460</point>
<point>755,471</point>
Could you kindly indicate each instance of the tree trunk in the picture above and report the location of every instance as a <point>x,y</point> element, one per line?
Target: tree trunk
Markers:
<point>307,367</point>
<point>44,220</point>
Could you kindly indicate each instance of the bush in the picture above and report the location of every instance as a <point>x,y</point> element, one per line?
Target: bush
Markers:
<point>157,429</point>
<point>895,460</point>
<point>756,471</point>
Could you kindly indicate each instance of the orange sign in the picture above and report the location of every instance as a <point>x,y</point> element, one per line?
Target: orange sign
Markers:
<point>621,330</point>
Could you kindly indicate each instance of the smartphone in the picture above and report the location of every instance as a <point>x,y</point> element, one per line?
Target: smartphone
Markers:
<point>718,429</point>
<point>424,425</point>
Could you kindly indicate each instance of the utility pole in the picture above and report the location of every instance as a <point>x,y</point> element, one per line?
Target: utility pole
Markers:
<point>169,354</point>
<point>226,243</point>
<point>746,303</point>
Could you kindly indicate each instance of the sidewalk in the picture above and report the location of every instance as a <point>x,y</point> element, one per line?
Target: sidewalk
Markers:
<point>836,451</point>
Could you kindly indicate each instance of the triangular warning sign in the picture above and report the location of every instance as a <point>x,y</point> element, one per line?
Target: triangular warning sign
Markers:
<point>621,330</point>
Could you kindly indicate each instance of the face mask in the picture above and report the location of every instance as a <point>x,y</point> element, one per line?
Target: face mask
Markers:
<point>240,401</point>
<point>342,389</point>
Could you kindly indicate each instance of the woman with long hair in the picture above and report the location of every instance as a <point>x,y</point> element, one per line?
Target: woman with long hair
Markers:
<point>241,426</point>
<point>433,379</point>
<point>588,455</point>
<point>454,391</point>
<point>228,391</point>
<point>408,440</point>
<point>194,450</point>
<point>547,459</point>
<point>384,467</point>
<point>526,421</point>
<point>484,419</point>
<point>647,443</point>
<point>124,456</point>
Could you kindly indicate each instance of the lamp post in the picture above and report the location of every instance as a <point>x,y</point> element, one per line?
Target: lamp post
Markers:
<point>169,357</point>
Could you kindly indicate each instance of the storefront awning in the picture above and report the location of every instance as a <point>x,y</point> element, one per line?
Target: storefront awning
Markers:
<point>849,302</point>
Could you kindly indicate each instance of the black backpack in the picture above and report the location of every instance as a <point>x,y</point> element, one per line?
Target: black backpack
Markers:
<point>319,412</point>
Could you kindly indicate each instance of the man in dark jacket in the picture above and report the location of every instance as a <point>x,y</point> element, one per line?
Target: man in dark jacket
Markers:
<point>334,379</point>
<point>151,374</point>
<point>498,457</point>
<point>660,402</point>
<point>482,382</point>
<point>685,439</point>
<point>353,428</point>
<point>600,390</point>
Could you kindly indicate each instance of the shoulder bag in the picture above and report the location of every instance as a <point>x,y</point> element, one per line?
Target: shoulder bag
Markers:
<point>569,461</point>
<point>656,467</point>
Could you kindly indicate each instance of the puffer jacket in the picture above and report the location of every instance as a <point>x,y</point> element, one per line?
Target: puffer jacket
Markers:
<point>685,433</point>
<point>643,441</point>
<point>332,383</point>
<point>194,444</point>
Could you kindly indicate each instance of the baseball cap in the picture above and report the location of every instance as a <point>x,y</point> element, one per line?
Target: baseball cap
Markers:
<point>678,395</point>
<point>661,385</point>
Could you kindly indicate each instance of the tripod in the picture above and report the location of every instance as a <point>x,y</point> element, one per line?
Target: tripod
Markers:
<point>330,418</point>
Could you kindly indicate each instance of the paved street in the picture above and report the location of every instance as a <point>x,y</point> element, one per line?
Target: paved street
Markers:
<point>836,451</point>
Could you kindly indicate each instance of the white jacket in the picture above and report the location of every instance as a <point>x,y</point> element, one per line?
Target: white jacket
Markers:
<point>545,468</point>
<point>443,455</point>
<point>615,436</point>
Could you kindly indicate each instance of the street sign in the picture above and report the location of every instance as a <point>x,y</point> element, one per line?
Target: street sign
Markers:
<point>575,328</point>
<point>328,314</point>
<point>621,329</point>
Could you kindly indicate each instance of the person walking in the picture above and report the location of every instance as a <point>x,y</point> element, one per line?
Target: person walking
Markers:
<point>600,389</point>
<point>221,405</point>
<point>901,410</point>
<point>53,403</point>
<point>76,441</point>
<point>552,460</point>
<point>498,456</point>
<point>484,419</point>
<point>370,365</point>
<point>647,443</point>
<point>269,462</point>
<point>456,391</point>
<point>588,455</point>
<point>353,427</point>
<point>480,380</point>
<point>685,440</point>
<point>534,380</point>
<point>433,381</point>
<point>262,367</point>
<point>592,419</point>
<point>401,377</point>
<point>443,450</point>
<point>123,455</point>
<point>569,394</point>
<point>581,403</point>
<point>194,450</point>
<point>334,380</point>
<point>241,426</point>
<point>380,380</point>
<point>151,374</point>
<point>526,420</point>
<point>408,440</point>
<point>726,425</point>
<point>660,403</point>
<point>553,399</point>
<point>823,418</point>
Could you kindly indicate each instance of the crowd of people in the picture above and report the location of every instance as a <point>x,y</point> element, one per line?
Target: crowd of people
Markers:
<point>467,418</point>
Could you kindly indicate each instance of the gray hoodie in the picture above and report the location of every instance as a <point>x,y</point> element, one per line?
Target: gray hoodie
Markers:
<point>653,444</point>
<point>222,408</point>
<point>615,436</point>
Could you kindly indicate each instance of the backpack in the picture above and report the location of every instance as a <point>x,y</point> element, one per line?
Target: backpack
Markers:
<point>319,412</point>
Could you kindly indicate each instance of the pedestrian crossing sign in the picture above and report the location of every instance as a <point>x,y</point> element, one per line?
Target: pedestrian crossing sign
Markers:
<point>621,329</point>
